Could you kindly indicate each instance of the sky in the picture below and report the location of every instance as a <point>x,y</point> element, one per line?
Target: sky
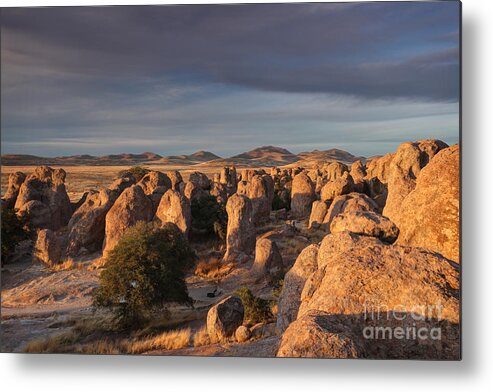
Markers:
<point>362,77</point>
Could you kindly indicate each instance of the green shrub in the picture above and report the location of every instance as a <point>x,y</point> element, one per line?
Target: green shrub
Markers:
<point>257,310</point>
<point>145,271</point>
<point>209,217</point>
<point>279,203</point>
<point>14,230</point>
<point>137,171</point>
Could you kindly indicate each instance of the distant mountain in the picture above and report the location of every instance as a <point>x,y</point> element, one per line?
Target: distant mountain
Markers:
<point>261,156</point>
<point>265,156</point>
<point>312,158</point>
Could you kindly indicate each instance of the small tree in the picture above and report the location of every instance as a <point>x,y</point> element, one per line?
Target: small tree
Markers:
<point>256,309</point>
<point>137,171</point>
<point>14,230</point>
<point>209,217</point>
<point>145,271</point>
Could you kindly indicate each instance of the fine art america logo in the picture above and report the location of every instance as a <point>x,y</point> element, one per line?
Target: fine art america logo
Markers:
<point>418,323</point>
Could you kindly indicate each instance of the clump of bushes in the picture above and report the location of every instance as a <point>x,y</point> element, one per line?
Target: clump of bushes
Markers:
<point>257,310</point>
<point>137,171</point>
<point>282,196</point>
<point>209,217</point>
<point>14,230</point>
<point>145,271</point>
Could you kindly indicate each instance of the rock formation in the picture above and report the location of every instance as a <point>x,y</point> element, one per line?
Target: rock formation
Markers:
<point>240,236</point>
<point>302,196</point>
<point>405,166</point>
<point>363,288</point>
<point>268,259</point>
<point>14,185</point>
<point>175,208</point>
<point>131,207</point>
<point>87,225</point>
<point>47,248</point>
<point>46,188</point>
<point>224,318</point>
<point>294,280</point>
<point>365,223</point>
<point>429,215</point>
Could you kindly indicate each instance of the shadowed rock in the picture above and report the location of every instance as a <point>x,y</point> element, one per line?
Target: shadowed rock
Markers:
<point>87,225</point>
<point>268,259</point>
<point>224,318</point>
<point>302,196</point>
<point>294,280</point>
<point>47,248</point>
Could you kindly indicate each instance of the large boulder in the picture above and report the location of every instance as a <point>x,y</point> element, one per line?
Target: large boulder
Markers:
<point>340,186</point>
<point>302,196</point>
<point>200,180</point>
<point>193,192</point>
<point>379,167</point>
<point>123,182</point>
<point>320,335</point>
<point>358,171</point>
<point>268,259</point>
<point>429,215</point>
<point>365,223</point>
<point>154,180</point>
<point>175,208</point>
<point>397,301</point>
<point>317,215</point>
<point>45,186</point>
<point>347,203</point>
<point>294,281</point>
<point>87,225</point>
<point>335,170</point>
<point>175,178</point>
<point>240,235</point>
<point>409,159</point>
<point>131,207</point>
<point>47,247</point>
<point>261,192</point>
<point>14,185</point>
<point>224,318</point>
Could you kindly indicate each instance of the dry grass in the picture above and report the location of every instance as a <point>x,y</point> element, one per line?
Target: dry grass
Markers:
<point>201,337</point>
<point>171,340</point>
<point>58,343</point>
<point>213,268</point>
<point>65,266</point>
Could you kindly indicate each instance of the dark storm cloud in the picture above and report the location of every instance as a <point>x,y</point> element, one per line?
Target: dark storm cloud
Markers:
<point>333,48</point>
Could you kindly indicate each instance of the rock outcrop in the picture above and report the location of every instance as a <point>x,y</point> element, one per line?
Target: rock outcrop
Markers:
<point>294,281</point>
<point>340,186</point>
<point>409,159</point>
<point>131,207</point>
<point>302,196</point>
<point>46,188</point>
<point>317,215</point>
<point>240,236</point>
<point>47,247</point>
<point>200,180</point>
<point>224,318</point>
<point>365,223</point>
<point>268,259</point>
<point>87,225</point>
<point>380,296</point>
<point>175,208</point>
<point>347,203</point>
<point>14,185</point>
<point>429,215</point>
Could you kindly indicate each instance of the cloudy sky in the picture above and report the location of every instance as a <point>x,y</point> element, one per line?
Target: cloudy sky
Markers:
<point>228,78</point>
